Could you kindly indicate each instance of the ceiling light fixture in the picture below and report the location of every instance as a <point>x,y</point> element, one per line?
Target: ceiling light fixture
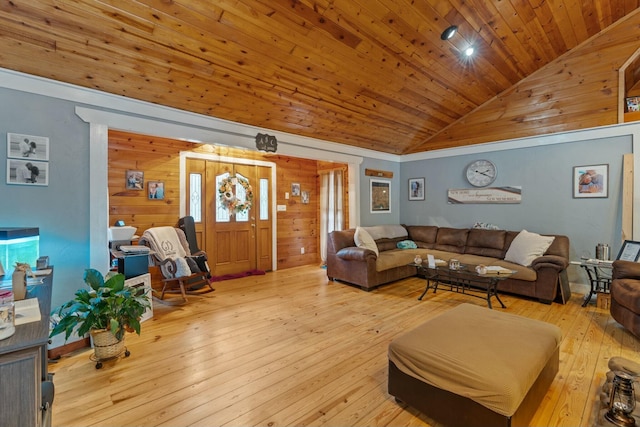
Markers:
<point>469,51</point>
<point>449,32</point>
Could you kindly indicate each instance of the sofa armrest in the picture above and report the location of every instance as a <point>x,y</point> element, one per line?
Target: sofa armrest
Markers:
<point>550,261</point>
<point>356,254</point>
<point>626,270</point>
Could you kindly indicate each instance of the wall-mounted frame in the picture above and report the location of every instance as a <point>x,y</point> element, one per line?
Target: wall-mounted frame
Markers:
<point>591,181</point>
<point>416,188</point>
<point>380,195</point>
<point>295,189</point>
<point>20,146</point>
<point>155,190</point>
<point>135,180</point>
<point>633,104</point>
<point>27,172</point>
<point>630,251</point>
<point>305,197</point>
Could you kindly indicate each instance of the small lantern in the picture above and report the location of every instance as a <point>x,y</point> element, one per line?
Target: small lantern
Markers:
<point>622,400</point>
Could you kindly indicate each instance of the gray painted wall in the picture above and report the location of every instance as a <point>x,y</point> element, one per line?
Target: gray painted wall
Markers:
<point>545,174</point>
<point>61,209</point>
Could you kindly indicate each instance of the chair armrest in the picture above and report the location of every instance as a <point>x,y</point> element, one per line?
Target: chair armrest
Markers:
<point>356,254</point>
<point>168,268</point>
<point>200,253</point>
<point>625,270</point>
<point>550,261</point>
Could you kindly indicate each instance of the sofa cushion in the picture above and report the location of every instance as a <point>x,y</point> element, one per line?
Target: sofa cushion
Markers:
<point>388,244</point>
<point>484,242</point>
<point>526,247</point>
<point>397,258</point>
<point>364,240</point>
<point>451,239</point>
<point>423,235</point>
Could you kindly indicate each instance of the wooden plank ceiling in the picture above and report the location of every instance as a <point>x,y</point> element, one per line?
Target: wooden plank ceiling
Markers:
<point>368,73</point>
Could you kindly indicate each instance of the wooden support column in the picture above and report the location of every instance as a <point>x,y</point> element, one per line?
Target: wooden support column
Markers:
<point>627,197</point>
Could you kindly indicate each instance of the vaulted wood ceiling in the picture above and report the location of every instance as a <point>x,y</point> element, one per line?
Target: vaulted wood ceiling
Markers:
<point>369,73</point>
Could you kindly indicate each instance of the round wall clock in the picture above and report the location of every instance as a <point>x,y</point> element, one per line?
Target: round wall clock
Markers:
<point>481,173</point>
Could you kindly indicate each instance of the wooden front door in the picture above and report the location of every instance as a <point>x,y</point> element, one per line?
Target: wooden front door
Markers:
<point>235,241</point>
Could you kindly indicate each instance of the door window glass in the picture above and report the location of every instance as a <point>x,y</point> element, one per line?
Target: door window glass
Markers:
<point>195,198</point>
<point>264,199</point>
<point>222,214</point>
<point>241,195</point>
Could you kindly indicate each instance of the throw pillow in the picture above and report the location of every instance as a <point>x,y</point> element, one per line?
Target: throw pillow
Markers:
<point>364,240</point>
<point>407,244</point>
<point>526,247</point>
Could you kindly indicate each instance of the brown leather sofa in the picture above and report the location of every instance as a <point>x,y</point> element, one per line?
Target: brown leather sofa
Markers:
<point>625,295</point>
<point>362,267</point>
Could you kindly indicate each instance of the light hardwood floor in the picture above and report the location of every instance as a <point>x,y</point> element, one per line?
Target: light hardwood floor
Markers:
<point>290,349</point>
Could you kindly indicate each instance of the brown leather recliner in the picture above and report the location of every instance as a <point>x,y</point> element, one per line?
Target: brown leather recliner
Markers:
<point>625,295</point>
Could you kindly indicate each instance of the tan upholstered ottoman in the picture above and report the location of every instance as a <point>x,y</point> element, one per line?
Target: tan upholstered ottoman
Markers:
<point>472,366</point>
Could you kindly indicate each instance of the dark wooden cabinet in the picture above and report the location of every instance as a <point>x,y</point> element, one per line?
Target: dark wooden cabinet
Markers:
<point>26,389</point>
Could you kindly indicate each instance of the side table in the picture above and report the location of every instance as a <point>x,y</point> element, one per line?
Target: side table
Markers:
<point>599,275</point>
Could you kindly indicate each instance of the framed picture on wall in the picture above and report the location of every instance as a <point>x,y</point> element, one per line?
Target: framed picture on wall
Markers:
<point>27,172</point>
<point>416,189</point>
<point>591,181</point>
<point>380,195</point>
<point>135,180</point>
<point>20,146</point>
<point>305,197</point>
<point>156,190</point>
<point>295,189</point>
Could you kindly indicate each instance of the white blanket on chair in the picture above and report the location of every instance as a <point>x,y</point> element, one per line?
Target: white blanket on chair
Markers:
<point>165,242</point>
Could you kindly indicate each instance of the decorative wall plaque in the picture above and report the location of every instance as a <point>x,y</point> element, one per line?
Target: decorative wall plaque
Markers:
<point>266,142</point>
<point>378,173</point>
<point>485,195</point>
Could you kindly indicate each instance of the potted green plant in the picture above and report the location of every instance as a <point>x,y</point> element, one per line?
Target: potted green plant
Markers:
<point>107,310</point>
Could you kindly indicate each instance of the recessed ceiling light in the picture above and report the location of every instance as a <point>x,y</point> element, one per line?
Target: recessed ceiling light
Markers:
<point>469,51</point>
<point>449,32</point>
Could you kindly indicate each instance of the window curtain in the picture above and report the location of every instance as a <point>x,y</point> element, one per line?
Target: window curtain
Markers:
<point>331,206</point>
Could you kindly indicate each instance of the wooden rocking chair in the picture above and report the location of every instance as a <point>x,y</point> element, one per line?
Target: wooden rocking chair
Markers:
<point>170,251</point>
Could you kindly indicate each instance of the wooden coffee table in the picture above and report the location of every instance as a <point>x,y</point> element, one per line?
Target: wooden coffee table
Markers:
<point>464,280</point>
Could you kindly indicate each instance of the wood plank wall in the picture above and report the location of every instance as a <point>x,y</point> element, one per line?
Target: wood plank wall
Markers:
<point>299,225</point>
<point>158,158</point>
